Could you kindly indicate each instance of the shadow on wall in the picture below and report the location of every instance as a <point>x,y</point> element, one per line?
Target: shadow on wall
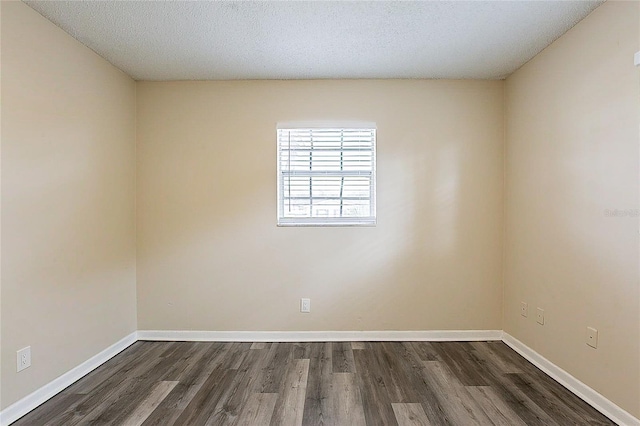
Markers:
<point>66,220</point>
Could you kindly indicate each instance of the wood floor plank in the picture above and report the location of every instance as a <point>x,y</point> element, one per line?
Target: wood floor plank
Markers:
<point>500,351</point>
<point>228,410</point>
<point>459,406</point>
<point>317,407</point>
<point>258,410</point>
<point>323,383</point>
<point>500,360</point>
<point>125,366</point>
<point>347,400</point>
<point>410,414</point>
<point>129,397</point>
<point>301,350</point>
<point>120,406</point>
<point>190,384</point>
<point>272,374</point>
<point>112,389</point>
<point>397,370</point>
<point>342,358</point>
<point>150,403</point>
<point>223,413</point>
<point>494,407</point>
<point>555,391</point>
<point>192,354</point>
<point>425,350</point>
<point>498,363</point>
<point>96,415</point>
<point>54,408</point>
<point>375,398</point>
<point>124,362</point>
<point>518,401</point>
<point>461,365</point>
<point>542,398</point>
<point>260,345</point>
<point>424,390</point>
<point>170,348</point>
<point>171,406</point>
<point>239,358</point>
<point>190,379</point>
<point>289,409</point>
<point>202,405</point>
<point>215,390</point>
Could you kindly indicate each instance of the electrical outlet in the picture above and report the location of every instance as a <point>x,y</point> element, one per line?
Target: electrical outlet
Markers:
<point>305,305</point>
<point>592,337</point>
<point>24,358</point>
<point>524,309</point>
<point>540,316</point>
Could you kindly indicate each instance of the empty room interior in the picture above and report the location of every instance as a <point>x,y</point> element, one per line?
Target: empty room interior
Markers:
<point>320,213</point>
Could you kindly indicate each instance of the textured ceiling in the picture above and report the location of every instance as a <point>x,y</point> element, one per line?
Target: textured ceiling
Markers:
<point>222,40</point>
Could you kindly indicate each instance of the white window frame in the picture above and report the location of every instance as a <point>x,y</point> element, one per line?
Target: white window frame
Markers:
<point>326,221</point>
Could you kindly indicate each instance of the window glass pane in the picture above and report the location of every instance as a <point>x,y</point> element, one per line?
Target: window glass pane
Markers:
<point>326,174</point>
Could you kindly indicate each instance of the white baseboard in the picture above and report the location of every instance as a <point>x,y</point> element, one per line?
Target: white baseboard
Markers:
<point>28,403</point>
<point>583,391</point>
<point>320,336</point>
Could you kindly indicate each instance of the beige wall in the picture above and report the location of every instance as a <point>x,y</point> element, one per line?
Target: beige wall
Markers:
<point>68,200</point>
<point>210,256</point>
<point>572,153</point>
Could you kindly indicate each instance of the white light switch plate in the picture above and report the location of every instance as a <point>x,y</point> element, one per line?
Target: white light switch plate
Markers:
<point>540,316</point>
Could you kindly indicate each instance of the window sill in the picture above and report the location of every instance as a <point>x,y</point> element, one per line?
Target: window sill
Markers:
<point>340,224</point>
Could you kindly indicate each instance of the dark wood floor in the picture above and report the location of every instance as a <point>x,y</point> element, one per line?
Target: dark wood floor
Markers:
<point>358,383</point>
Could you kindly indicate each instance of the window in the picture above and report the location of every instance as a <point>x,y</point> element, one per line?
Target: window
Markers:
<point>326,175</point>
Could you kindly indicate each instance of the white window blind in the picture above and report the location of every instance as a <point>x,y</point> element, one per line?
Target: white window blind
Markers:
<point>326,176</point>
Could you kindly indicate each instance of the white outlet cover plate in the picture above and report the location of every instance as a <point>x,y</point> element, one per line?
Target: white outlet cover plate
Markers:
<point>305,305</point>
<point>540,316</point>
<point>592,337</point>
<point>24,358</point>
<point>524,309</point>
